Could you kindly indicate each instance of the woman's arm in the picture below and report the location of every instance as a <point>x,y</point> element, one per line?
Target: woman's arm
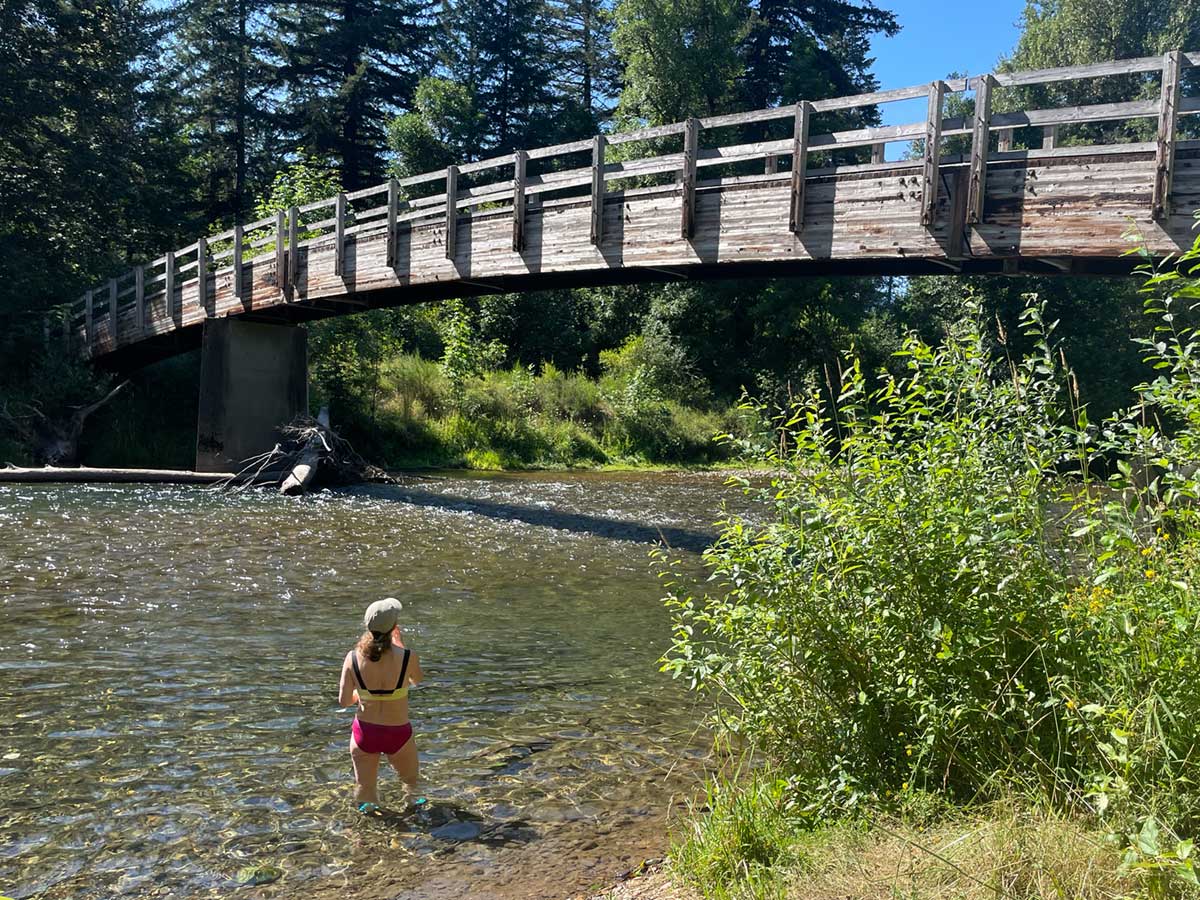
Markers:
<point>415,675</point>
<point>347,695</point>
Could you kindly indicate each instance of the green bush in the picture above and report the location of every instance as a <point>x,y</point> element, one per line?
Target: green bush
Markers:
<point>949,599</point>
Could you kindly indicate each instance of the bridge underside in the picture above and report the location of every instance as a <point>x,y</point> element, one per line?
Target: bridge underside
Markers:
<point>1057,211</point>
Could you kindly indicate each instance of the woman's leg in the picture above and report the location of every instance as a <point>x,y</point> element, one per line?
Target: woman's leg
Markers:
<point>366,774</point>
<point>404,761</point>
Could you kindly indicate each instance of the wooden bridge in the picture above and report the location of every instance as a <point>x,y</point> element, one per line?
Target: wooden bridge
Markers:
<point>701,199</point>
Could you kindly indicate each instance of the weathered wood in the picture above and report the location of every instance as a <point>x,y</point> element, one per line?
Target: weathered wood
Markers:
<point>339,235</point>
<point>89,475</point>
<point>112,312</point>
<point>139,299</point>
<point>1164,154</point>
<point>1074,73</point>
<point>393,210</point>
<point>202,275</point>
<point>239,285</point>
<point>169,287</point>
<point>1051,203</point>
<point>933,150</point>
<point>281,278</point>
<point>293,254</point>
<point>597,227</point>
<point>451,210</point>
<point>520,158</point>
<point>687,178</point>
<point>979,149</point>
<point>799,165</point>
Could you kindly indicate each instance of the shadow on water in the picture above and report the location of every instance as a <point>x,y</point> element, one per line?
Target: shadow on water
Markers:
<point>599,526</point>
<point>453,824</point>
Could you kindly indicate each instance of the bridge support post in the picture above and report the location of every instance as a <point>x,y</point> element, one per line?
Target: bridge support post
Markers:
<point>253,379</point>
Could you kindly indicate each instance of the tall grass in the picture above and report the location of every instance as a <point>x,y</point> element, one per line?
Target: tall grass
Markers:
<point>516,417</point>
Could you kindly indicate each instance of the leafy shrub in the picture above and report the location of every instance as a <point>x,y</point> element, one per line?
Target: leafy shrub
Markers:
<point>948,599</point>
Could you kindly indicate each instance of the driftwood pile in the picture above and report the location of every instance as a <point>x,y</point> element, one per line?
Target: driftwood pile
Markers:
<point>310,455</point>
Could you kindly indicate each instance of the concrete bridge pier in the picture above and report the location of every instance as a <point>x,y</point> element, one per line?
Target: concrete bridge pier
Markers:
<point>253,379</point>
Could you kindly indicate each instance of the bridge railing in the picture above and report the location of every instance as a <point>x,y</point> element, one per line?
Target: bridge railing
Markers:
<point>148,299</point>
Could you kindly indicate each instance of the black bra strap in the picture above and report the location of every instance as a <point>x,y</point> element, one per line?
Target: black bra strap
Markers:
<point>358,672</point>
<point>403,668</point>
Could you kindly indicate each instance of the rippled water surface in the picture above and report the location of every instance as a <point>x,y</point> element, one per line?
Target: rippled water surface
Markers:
<point>169,661</point>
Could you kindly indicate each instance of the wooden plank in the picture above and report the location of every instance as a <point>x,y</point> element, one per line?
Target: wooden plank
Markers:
<point>771,164</point>
<point>293,254</point>
<point>799,165</point>
<point>112,313</point>
<point>1004,142</point>
<point>1072,73</point>
<point>597,230</point>
<point>339,235</point>
<point>202,275</point>
<point>1168,120</point>
<point>930,178</point>
<point>1049,137</point>
<point>687,178</point>
<point>393,210</point>
<point>1070,115</point>
<point>169,286</point>
<point>139,299</point>
<point>977,186</point>
<point>451,210</point>
<point>877,151</point>
<point>238,273</point>
<point>520,158</point>
<point>280,257</point>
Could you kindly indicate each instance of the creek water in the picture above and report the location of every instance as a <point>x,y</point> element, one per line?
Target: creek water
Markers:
<point>169,661</point>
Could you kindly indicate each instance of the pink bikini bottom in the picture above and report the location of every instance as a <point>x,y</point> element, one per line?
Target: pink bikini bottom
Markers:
<point>387,739</point>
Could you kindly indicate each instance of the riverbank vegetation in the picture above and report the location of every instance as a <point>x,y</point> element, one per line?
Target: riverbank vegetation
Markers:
<point>969,595</point>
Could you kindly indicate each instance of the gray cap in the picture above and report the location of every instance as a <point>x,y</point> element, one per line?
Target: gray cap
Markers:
<point>382,615</point>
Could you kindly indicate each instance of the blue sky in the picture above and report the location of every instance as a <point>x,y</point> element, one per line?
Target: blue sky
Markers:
<point>936,39</point>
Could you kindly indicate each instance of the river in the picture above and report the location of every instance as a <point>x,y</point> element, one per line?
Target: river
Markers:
<point>168,673</point>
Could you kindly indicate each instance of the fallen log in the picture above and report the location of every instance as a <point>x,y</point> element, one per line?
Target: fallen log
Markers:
<point>305,469</point>
<point>89,475</point>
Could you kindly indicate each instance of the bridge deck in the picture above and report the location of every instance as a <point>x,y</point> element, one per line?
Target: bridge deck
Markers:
<point>567,215</point>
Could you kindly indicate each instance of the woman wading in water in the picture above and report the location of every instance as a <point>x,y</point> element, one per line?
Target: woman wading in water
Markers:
<point>375,677</point>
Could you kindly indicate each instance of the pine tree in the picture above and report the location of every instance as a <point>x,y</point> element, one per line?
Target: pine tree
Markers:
<point>810,50</point>
<point>499,51</point>
<point>223,75</point>
<point>344,65</point>
<point>587,69</point>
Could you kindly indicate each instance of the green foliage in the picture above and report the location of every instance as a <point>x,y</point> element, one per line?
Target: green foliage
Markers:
<point>443,128</point>
<point>681,56</point>
<point>744,845</point>
<point>305,180</point>
<point>949,599</point>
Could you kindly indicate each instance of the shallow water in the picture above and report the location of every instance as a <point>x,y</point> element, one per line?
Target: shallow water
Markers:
<point>169,661</point>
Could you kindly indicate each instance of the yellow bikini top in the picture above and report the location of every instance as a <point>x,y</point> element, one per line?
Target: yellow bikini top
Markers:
<point>399,692</point>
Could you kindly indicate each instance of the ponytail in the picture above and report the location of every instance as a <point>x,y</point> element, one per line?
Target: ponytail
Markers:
<point>373,644</point>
